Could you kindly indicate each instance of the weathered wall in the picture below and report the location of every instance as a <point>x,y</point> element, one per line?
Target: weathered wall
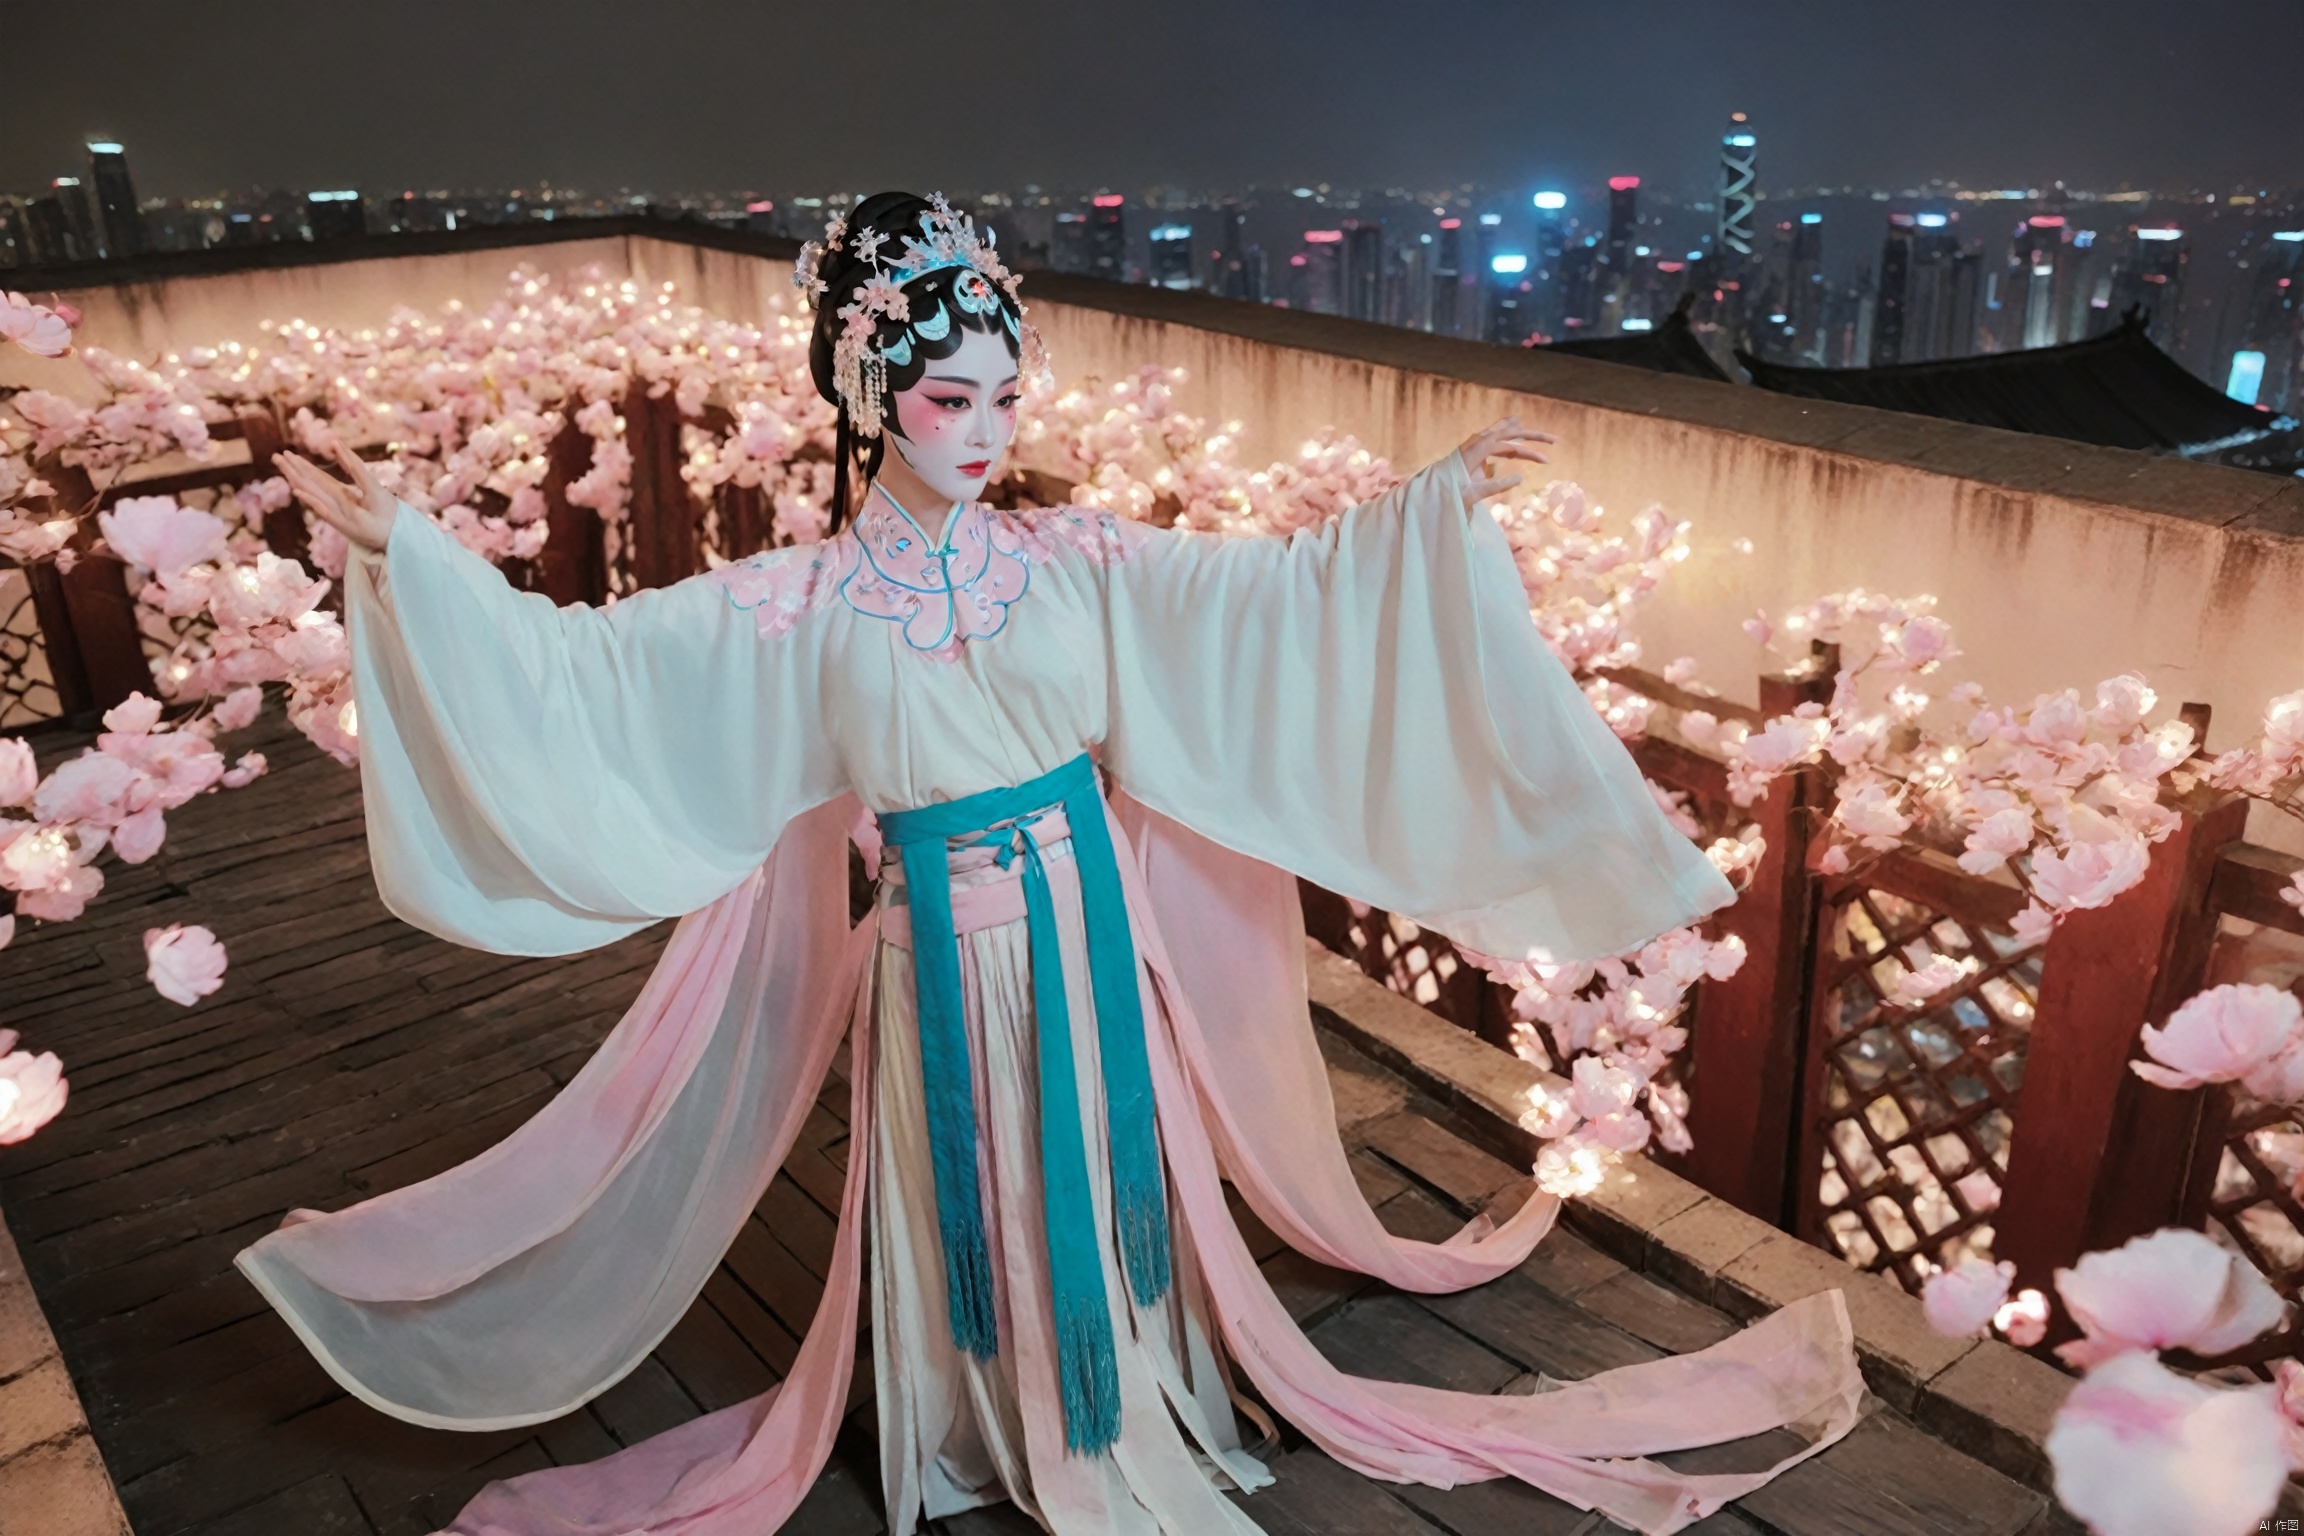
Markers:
<point>2057,563</point>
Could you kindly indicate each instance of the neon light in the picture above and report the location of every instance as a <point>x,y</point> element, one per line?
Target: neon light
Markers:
<point>332,197</point>
<point>2159,234</point>
<point>1622,183</point>
<point>1507,265</point>
<point>1110,200</point>
<point>1451,223</point>
<point>765,205</point>
<point>2046,221</point>
<point>1639,325</point>
<point>1811,218</point>
<point>1491,220</point>
<point>2288,234</point>
<point>1930,220</point>
<point>1322,236</point>
<point>1551,201</point>
<point>2247,376</point>
<point>1171,232</point>
<point>105,149</point>
<point>1740,141</point>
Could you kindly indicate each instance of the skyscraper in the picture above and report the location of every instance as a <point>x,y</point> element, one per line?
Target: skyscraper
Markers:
<point>1739,159</point>
<point>2152,276</point>
<point>1447,277</point>
<point>1363,269</point>
<point>1172,255</point>
<point>1895,299</point>
<point>1623,222</point>
<point>335,215</point>
<point>121,226</point>
<point>1804,290</point>
<point>1322,271</point>
<point>1108,238</point>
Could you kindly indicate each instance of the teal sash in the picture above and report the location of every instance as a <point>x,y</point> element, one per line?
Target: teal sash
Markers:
<point>1084,1350</point>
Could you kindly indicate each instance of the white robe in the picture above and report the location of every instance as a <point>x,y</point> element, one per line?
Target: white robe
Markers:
<point>1366,705</point>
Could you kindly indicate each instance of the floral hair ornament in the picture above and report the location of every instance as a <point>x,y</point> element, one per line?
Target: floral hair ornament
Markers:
<point>946,240</point>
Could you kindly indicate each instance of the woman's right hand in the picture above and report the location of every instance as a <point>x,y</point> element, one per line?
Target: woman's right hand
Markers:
<point>361,511</point>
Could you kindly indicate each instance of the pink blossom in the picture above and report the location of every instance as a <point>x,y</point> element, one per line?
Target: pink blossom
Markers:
<point>1996,839</point>
<point>19,773</point>
<point>1868,809</point>
<point>1699,728</point>
<point>2171,1289</point>
<point>1921,642</point>
<point>2091,873</point>
<point>32,1089</point>
<point>133,716</point>
<point>1911,988</point>
<point>1759,628</point>
<point>2241,1032</point>
<point>2033,925</point>
<point>139,837</point>
<point>247,771</point>
<point>162,536</point>
<point>1833,860</point>
<point>183,964</point>
<point>2292,893</point>
<point>1548,1114</point>
<point>7,928</point>
<point>35,327</point>
<point>64,897</point>
<point>2122,703</point>
<point>89,788</point>
<point>2284,725</point>
<point>2141,1451</point>
<point>1961,1302</point>
<point>239,708</point>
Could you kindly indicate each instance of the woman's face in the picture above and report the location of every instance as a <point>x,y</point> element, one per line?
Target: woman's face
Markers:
<point>954,424</point>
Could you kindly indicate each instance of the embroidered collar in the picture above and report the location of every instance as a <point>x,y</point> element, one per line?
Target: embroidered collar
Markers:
<point>941,594</point>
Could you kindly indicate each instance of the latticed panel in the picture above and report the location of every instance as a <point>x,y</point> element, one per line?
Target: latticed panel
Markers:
<point>2254,1202</point>
<point>1416,964</point>
<point>1917,1105</point>
<point>27,690</point>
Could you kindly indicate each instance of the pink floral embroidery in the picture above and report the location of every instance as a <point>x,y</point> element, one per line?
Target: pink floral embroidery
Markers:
<point>943,597</point>
<point>884,568</point>
<point>777,586</point>
<point>1102,535</point>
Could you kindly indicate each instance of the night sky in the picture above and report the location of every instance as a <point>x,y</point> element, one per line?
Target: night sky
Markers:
<point>688,95</point>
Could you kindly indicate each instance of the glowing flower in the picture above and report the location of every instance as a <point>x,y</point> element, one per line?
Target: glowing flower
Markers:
<point>19,774</point>
<point>2023,1322</point>
<point>32,1089</point>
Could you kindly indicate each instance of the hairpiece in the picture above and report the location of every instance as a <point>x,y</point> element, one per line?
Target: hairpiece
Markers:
<point>946,240</point>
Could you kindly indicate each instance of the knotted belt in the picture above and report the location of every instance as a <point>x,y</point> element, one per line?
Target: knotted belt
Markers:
<point>996,818</point>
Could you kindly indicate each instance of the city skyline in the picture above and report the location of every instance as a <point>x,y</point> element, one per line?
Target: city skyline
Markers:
<point>712,96</point>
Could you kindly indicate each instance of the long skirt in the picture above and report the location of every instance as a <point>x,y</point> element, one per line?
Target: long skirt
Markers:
<point>957,1432</point>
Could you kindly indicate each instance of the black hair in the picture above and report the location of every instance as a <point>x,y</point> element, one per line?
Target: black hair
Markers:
<point>895,215</point>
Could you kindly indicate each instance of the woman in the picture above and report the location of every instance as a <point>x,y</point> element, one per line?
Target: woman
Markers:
<point>1070,1016</point>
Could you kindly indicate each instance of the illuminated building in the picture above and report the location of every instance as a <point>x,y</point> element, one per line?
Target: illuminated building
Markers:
<point>1172,255</point>
<point>114,198</point>
<point>1739,158</point>
<point>335,215</point>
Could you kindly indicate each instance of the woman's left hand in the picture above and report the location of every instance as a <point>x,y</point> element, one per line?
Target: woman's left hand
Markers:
<point>1507,439</point>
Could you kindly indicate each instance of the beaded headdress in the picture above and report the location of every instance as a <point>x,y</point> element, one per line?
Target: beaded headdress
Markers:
<point>946,239</point>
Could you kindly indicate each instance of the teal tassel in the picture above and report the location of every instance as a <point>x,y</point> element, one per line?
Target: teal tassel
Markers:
<point>1086,1363</point>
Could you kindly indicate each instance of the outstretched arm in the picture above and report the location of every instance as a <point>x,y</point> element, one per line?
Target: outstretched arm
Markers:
<point>541,779</point>
<point>1369,705</point>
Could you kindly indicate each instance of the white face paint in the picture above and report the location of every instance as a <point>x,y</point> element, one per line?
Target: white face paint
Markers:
<point>956,422</point>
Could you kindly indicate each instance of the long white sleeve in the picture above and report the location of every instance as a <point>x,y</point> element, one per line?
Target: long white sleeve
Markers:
<point>1369,706</point>
<point>541,780</point>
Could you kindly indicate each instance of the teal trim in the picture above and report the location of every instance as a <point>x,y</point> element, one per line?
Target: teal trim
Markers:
<point>1086,1363</point>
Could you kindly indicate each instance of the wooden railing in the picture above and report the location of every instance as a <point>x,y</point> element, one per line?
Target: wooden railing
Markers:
<point>1998,1118</point>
